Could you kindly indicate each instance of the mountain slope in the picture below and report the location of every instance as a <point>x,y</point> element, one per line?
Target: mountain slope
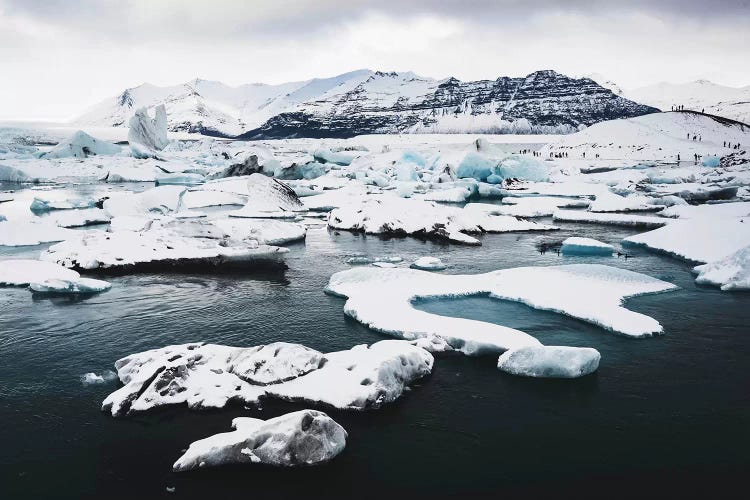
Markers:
<point>365,102</point>
<point>729,102</point>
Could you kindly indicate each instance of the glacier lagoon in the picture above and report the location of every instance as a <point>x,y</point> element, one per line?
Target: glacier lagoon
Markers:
<point>670,409</point>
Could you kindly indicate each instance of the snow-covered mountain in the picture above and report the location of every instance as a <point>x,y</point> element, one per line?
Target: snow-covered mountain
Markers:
<point>729,102</point>
<point>605,82</point>
<point>366,102</point>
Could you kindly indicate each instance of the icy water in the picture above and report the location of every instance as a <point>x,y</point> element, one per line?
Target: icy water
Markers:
<point>665,416</point>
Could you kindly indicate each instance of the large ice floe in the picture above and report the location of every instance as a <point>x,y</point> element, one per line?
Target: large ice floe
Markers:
<point>47,277</point>
<point>306,437</point>
<point>210,376</point>
<point>590,292</point>
<point>730,273</point>
<point>703,233</point>
<point>33,232</point>
<point>102,250</point>
<point>390,215</point>
<point>550,361</point>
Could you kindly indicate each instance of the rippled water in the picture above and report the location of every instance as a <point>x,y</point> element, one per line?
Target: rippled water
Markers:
<point>666,415</point>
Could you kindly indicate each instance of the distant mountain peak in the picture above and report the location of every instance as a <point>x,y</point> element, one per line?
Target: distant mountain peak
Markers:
<point>365,101</point>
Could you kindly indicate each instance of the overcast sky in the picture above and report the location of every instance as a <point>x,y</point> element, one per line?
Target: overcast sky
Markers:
<point>57,57</point>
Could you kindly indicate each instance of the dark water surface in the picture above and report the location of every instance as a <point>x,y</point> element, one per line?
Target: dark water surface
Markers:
<point>665,416</point>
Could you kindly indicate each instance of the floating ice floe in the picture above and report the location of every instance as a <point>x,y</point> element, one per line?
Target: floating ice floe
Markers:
<point>428,264</point>
<point>47,277</point>
<point>92,378</point>
<point>74,286</point>
<point>611,202</point>
<point>614,219</point>
<point>730,273</point>
<point>201,199</point>
<point>550,361</point>
<point>179,179</point>
<point>538,206</point>
<point>705,233</point>
<point>21,272</point>
<point>590,292</point>
<point>100,250</point>
<point>585,246</point>
<point>305,437</point>
<point>210,376</point>
<point>23,233</point>
<point>269,232</point>
<point>269,198</point>
<point>400,217</point>
<point>82,145</point>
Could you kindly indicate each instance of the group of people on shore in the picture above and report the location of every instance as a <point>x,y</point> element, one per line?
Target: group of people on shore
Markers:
<point>681,107</point>
<point>728,144</point>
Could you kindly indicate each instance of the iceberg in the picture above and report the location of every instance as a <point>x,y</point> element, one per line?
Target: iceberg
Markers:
<point>147,132</point>
<point>39,204</point>
<point>521,167</point>
<point>475,166</point>
<point>614,219</point>
<point>305,437</point>
<point>550,361</point>
<point>585,246</point>
<point>82,145</point>
<point>206,376</point>
<point>269,198</point>
<point>265,231</point>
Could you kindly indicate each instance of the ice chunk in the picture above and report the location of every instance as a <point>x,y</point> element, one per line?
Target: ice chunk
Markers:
<point>201,199</point>
<point>550,361</point>
<point>305,437</point>
<point>428,264</point>
<point>451,195</point>
<point>74,285</point>
<point>610,202</point>
<point>11,174</point>
<point>148,132</point>
<point>538,206</point>
<point>156,201</point>
<point>730,273</point>
<point>21,272</point>
<point>585,246</point>
<point>268,231</point>
<point>40,204</point>
<point>79,218</point>
<point>92,378</point>
<point>179,178</point>
<point>711,161</point>
<point>274,363</point>
<point>475,166</point>
<point>82,145</point>
<point>327,156</point>
<point>202,376</point>
<point>269,198</point>
<point>522,167</point>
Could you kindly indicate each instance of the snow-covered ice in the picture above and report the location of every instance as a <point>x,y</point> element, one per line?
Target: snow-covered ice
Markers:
<point>585,246</point>
<point>550,361</point>
<point>590,292</point>
<point>92,378</point>
<point>147,132</point>
<point>21,272</point>
<point>76,286</point>
<point>428,264</point>
<point>730,273</point>
<point>33,232</point>
<point>306,437</point>
<point>82,145</point>
<point>206,376</point>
